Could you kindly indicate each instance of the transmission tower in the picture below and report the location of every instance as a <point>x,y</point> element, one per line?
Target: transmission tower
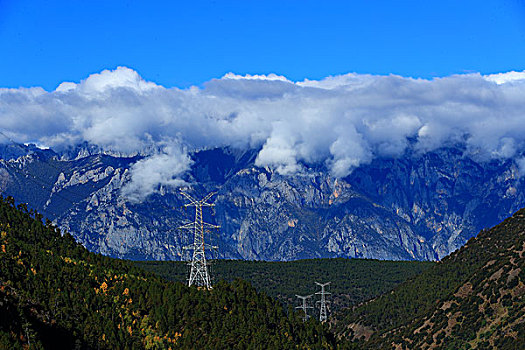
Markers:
<point>199,270</point>
<point>323,315</point>
<point>304,306</point>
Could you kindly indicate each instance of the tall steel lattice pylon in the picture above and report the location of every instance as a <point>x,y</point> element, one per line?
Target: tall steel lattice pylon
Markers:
<point>199,275</point>
<point>323,314</point>
<point>304,306</point>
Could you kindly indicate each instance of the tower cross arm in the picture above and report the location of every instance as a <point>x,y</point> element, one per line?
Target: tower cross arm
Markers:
<point>204,201</point>
<point>193,202</point>
<point>323,284</point>
<point>304,298</point>
<point>190,225</point>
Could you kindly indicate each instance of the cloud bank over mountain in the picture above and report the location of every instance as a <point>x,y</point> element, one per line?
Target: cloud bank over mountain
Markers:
<point>340,121</point>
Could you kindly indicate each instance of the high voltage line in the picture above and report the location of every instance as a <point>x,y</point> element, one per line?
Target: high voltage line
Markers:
<point>199,275</point>
<point>323,314</point>
<point>304,306</point>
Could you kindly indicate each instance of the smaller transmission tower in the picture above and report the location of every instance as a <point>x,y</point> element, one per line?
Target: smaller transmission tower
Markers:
<point>199,270</point>
<point>323,314</point>
<point>304,306</point>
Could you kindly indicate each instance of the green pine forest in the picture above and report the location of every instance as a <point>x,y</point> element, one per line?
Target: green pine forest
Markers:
<point>54,294</point>
<point>353,281</point>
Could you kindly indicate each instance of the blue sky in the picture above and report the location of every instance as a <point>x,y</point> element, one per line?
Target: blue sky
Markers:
<point>184,43</point>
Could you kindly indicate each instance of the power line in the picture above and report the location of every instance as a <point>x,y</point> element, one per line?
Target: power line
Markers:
<point>323,315</point>
<point>199,275</point>
<point>304,306</point>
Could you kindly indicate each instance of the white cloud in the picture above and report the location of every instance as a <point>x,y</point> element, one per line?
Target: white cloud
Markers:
<point>121,77</point>
<point>279,151</point>
<point>521,166</point>
<point>161,169</point>
<point>341,121</point>
<point>348,152</point>
<point>348,81</point>
<point>270,76</point>
<point>502,78</point>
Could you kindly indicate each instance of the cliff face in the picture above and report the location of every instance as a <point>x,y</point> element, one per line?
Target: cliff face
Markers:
<point>415,207</point>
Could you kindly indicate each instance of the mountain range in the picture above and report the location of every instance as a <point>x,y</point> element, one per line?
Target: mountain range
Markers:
<point>420,206</point>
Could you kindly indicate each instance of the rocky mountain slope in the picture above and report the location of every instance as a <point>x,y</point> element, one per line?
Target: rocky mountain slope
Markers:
<point>419,206</point>
<point>472,299</point>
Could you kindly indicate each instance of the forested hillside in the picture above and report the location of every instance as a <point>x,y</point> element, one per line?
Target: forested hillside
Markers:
<point>472,299</point>
<point>54,294</point>
<point>353,281</point>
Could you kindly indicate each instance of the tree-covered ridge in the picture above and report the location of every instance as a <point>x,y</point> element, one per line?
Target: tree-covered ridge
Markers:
<point>55,294</point>
<point>353,281</point>
<point>473,299</point>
